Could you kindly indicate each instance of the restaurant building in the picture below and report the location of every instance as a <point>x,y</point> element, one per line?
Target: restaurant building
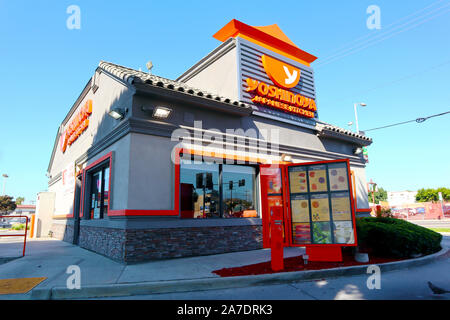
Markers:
<point>149,168</point>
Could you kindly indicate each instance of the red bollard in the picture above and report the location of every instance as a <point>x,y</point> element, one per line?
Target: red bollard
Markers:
<point>276,230</point>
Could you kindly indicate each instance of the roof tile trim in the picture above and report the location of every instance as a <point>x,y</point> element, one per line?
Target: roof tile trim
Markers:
<point>131,76</point>
<point>329,127</point>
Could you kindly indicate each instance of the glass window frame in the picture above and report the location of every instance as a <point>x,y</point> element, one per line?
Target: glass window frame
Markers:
<point>222,186</point>
<point>101,167</point>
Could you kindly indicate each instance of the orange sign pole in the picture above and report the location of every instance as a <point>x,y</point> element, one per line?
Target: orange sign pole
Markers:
<point>276,226</point>
<point>33,217</point>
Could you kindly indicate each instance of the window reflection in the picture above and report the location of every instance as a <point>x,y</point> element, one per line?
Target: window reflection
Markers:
<point>238,191</point>
<point>199,190</point>
<point>202,196</point>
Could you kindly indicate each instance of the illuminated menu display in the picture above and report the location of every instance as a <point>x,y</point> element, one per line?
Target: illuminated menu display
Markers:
<point>321,210</point>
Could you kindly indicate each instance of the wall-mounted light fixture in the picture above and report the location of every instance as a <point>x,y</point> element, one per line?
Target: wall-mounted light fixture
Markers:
<point>357,151</point>
<point>118,113</point>
<point>285,157</point>
<point>158,112</point>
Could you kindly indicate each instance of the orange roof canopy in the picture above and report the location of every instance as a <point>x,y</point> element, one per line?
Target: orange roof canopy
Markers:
<point>270,35</point>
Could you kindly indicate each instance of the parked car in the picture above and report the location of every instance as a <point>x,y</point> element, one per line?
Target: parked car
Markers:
<point>5,224</point>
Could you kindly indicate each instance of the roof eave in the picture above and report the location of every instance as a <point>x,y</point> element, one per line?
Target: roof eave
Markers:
<point>209,102</point>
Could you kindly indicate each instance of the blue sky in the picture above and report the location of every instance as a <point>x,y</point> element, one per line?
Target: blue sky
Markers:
<point>402,74</point>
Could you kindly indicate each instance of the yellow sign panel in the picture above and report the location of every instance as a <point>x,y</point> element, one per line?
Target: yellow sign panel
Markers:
<point>297,180</point>
<point>340,202</point>
<point>320,209</point>
<point>300,209</point>
<point>317,179</point>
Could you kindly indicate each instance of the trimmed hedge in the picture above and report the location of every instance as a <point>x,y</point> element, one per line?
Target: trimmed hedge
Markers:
<point>395,238</point>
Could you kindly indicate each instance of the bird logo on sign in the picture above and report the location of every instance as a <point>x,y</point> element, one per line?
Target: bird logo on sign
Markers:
<point>282,74</point>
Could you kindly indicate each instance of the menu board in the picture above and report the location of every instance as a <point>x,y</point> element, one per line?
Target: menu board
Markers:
<point>320,209</point>
<point>298,180</point>
<point>340,204</point>
<point>320,198</point>
<point>317,178</point>
<point>301,233</point>
<point>338,176</point>
<point>300,208</point>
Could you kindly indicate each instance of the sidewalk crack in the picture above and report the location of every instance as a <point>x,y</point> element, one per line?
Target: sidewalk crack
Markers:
<point>303,291</point>
<point>120,275</point>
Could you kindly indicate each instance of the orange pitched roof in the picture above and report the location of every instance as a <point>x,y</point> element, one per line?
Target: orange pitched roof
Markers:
<point>271,36</point>
<point>275,31</point>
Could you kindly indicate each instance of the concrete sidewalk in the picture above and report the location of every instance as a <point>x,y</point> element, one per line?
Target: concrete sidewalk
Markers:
<point>102,277</point>
<point>50,258</point>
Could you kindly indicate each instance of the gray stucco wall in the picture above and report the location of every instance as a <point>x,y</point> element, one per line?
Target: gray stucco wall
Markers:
<point>151,174</point>
<point>217,72</point>
<point>110,94</point>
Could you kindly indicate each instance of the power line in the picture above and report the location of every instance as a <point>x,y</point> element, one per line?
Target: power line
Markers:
<point>389,83</point>
<point>386,35</point>
<point>418,120</point>
<point>371,34</point>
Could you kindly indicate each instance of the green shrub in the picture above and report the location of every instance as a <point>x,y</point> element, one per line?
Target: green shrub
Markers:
<point>19,226</point>
<point>395,238</point>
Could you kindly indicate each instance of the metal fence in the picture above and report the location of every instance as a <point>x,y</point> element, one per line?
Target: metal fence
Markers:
<point>2,218</point>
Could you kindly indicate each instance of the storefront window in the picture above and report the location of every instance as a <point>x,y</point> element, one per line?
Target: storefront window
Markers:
<point>217,191</point>
<point>99,193</point>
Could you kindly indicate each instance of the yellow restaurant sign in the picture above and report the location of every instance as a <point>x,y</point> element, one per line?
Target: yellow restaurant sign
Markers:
<point>281,99</point>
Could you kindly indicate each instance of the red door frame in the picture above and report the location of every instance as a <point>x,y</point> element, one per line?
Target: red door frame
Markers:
<point>287,205</point>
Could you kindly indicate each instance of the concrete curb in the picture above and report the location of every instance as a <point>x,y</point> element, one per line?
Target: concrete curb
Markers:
<point>8,259</point>
<point>170,286</point>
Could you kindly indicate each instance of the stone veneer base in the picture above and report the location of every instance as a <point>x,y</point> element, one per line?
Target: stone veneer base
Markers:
<point>138,245</point>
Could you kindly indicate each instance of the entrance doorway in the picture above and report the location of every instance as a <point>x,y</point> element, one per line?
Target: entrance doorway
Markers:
<point>76,210</point>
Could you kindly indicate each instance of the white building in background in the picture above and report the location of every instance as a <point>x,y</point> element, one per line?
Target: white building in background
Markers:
<point>399,198</point>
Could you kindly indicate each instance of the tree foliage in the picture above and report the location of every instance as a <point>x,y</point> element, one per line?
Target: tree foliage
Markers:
<point>7,204</point>
<point>380,195</point>
<point>19,200</point>
<point>427,195</point>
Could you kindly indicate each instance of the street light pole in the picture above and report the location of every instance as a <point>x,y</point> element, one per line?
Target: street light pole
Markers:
<point>356,114</point>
